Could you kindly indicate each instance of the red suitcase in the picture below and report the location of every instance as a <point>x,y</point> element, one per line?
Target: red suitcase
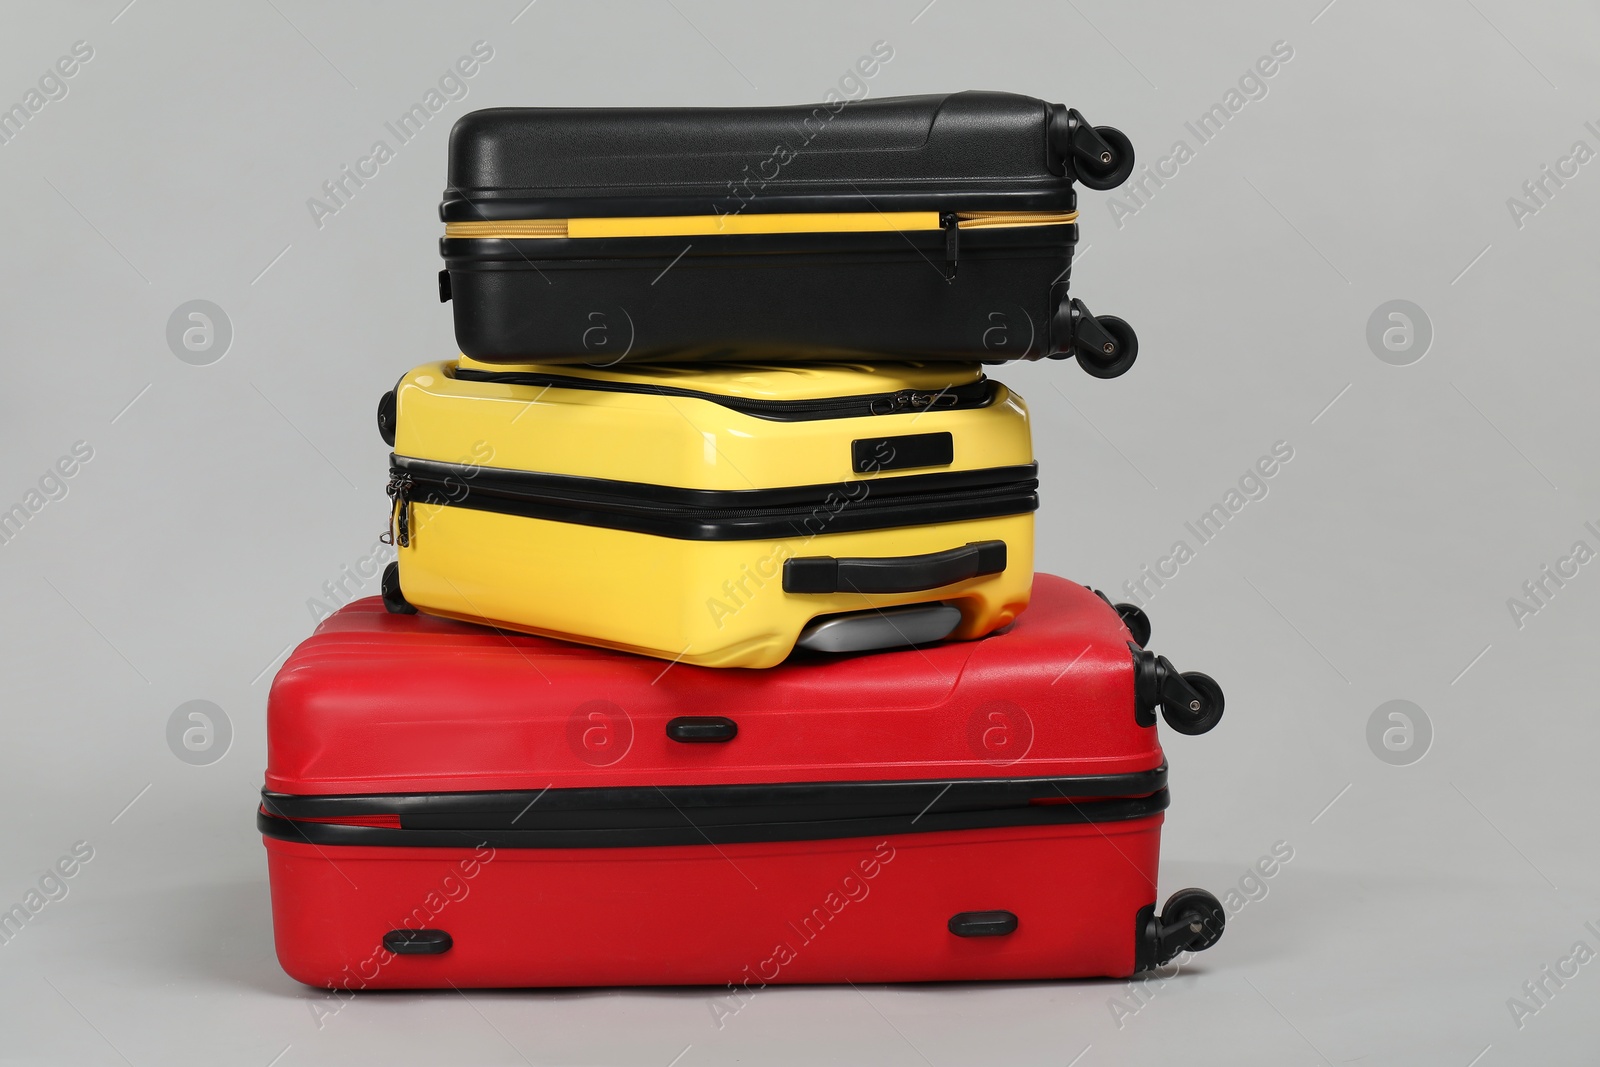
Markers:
<point>447,804</point>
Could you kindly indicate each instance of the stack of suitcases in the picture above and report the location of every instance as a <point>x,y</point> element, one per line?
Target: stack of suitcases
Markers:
<point>712,652</point>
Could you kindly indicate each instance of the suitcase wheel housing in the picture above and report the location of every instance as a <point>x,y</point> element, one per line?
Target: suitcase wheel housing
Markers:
<point>1137,622</point>
<point>1105,346</point>
<point>1100,157</point>
<point>386,414</point>
<point>1107,164</point>
<point>1117,360</point>
<point>1192,921</point>
<point>1191,702</point>
<point>393,599</point>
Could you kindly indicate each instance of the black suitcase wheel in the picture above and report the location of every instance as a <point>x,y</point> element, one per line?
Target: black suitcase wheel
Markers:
<point>393,599</point>
<point>1137,622</point>
<point>1191,702</point>
<point>1113,358</point>
<point>1197,711</point>
<point>1192,921</point>
<point>1109,163</point>
<point>1104,345</point>
<point>386,414</point>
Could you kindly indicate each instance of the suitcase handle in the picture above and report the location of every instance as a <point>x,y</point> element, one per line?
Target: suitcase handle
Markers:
<point>702,729</point>
<point>893,574</point>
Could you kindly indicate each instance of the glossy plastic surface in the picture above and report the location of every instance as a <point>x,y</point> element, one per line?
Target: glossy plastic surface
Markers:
<point>381,703</point>
<point>853,910</point>
<point>711,603</point>
<point>685,441</point>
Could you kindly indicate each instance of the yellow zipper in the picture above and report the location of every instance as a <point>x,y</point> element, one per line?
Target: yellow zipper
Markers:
<point>798,222</point>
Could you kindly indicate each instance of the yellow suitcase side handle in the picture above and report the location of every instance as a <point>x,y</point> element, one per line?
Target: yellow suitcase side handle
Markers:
<point>893,574</point>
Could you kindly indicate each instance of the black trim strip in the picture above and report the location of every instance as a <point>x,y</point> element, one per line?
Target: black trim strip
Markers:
<point>722,514</point>
<point>500,807</point>
<point>977,394</point>
<point>688,831</point>
<point>987,194</point>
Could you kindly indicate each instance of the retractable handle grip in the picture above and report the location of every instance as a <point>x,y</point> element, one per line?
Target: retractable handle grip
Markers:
<point>1099,157</point>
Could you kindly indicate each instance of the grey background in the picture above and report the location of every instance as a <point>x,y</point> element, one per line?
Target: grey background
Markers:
<point>1377,167</point>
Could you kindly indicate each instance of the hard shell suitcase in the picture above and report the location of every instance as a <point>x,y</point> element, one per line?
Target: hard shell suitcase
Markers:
<point>445,805</point>
<point>925,227</point>
<point>713,515</point>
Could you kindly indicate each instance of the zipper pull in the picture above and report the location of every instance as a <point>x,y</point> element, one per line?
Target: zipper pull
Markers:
<point>928,401</point>
<point>911,400</point>
<point>952,243</point>
<point>399,490</point>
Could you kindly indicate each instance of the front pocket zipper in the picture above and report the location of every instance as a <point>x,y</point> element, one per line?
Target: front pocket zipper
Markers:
<point>977,394</point>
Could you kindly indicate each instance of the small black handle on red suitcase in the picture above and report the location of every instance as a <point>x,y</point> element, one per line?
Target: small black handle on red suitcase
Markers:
<point>702,729</point>
<point>893,574</point>
<point>982,924</point>
<point>408,942</point>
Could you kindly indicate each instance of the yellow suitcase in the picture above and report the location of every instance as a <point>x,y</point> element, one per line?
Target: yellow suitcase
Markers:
<point>712,515</point>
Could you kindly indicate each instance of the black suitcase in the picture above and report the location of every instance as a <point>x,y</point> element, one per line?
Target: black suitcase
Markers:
<point>925,227</point>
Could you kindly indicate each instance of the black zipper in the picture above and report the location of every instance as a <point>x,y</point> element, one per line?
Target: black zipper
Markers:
<point>707,514</point>
<point>609,828</point>
<point>976,394</point>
